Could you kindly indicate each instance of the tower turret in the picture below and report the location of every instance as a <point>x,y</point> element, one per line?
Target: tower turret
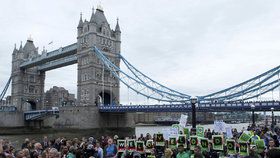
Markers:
<point>118,37</point>
<point>80,25</point>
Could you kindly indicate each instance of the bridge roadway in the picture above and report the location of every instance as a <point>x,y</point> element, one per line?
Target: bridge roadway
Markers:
<point>202,107</point>
<point>62,52</point>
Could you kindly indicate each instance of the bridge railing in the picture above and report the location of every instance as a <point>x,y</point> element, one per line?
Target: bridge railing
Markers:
<point>8,109</point>
<point>202,107</point>
<point>39,114</point>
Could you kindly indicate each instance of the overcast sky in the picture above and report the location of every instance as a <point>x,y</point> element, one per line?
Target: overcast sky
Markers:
<point>194,46</point>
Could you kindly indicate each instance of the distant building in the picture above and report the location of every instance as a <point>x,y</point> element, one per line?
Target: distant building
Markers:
<point>6,102</point>
<point>59,96</point>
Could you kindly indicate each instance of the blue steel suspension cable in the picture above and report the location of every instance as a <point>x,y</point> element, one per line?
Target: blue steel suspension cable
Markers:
<point>166,97</point>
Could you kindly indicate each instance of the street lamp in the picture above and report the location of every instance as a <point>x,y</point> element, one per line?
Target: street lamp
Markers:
<point>272,117</point>
<point>193,102</point>
<point>253,115</point>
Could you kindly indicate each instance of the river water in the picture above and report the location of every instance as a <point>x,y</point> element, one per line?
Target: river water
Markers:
<point>17,140</point>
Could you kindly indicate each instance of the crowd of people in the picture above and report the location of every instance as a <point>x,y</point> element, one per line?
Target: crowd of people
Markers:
<point>107,147</point>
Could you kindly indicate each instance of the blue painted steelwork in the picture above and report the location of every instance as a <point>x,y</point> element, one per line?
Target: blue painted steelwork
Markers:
<point>156,91</point>
<point>238,91</point>
<point>202,107</point>
<point>40,114</point>
<point>152,83</point>
<point>3,93</point>
<point>53,55</point>
<point>8,109</point>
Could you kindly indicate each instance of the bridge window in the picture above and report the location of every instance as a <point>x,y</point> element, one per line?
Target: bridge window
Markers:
<point>31,78</point>
<point>31,89</point>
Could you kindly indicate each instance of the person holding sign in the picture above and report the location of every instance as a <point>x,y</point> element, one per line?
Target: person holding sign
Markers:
<point>140,146</point>
<point>217,142</point>
<point>182,140</point>
<point>181,152</point>
<point>159,139</point>
<point>121,145</point>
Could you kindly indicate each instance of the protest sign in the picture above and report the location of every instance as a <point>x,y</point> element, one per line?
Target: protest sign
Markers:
<point>231,146</point>
<point>217,142</point>
<point>182,140</point>
<point>193,142</point>
<point>166,133</point>
<point>204,144</point>
<point>140,146</point>
<point>219,126</point>
<point>172,142</point>
<point>229,132</point>
<point>177,126</point>
<point>187,132</point>
<point>149,146</point>
<point>260,145</point>
<point>121,145</point>
<point>159,139</point>
<point>244,137</point>
<point>131,144</point>
<point>183,120</point>
<point>200,131</point>
<point>243,149</point>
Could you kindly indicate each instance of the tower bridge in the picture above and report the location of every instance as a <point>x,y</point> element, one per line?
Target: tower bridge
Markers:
<point>97,54</point>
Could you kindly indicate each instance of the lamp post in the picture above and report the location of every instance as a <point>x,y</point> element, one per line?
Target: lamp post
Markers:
<point>253,116</point>
<point>193,102</point>
<point>272,118</point>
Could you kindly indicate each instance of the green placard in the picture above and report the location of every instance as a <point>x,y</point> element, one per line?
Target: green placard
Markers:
<point>231,146</point>
<point>217,142</point>
<point>187,132</point>
<point>131,144</point>
<point>260,145</point>
<point>200,131</point>
<point>176,126</point>
<point>159,139</point>
<point>121,144</point>
<point>149,146</point>
<point>172,142</point>
<point>204,144</point>
<point>244,137</point>
<point>243,149</point>
<point>193,141</point>
<point>182,140</point>
<point>140,146</point>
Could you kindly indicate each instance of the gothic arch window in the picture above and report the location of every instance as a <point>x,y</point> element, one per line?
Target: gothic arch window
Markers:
<point>31,89</point>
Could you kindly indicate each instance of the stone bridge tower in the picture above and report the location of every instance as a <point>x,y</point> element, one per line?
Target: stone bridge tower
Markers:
<point>96,85</point>
<point>27,84</point>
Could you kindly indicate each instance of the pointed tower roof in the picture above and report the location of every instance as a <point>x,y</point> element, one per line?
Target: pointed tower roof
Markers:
<point>99,17</point>
<point>117,29</point>
<point>29,46</point>
<point>81,21</point>
<point>20,47</point>
<point>15,49</point>
<point>92,15</point>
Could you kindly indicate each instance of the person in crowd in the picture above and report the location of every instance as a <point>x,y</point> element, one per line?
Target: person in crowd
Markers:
<point>111,149</point>
<point>99,150</point>
<point>53,153</point>
<point>181,152</point>
<point>25,144</point>
<point>71,152</point>
<point>168,153</point>
<point>197,152</point>
<point>38,149</point>
<point>45,142</point>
